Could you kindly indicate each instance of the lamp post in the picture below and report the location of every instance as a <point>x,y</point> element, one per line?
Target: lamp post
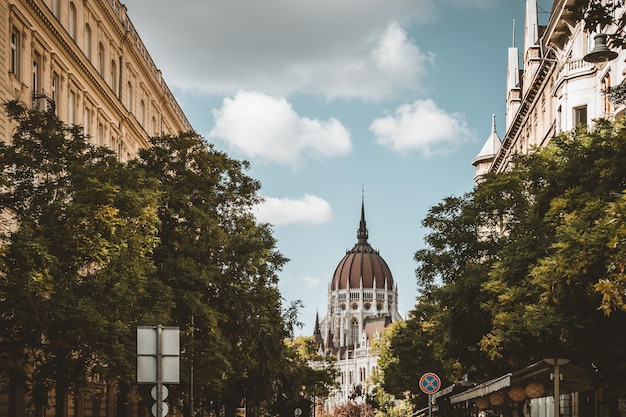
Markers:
<point>600,54</point>
<point>556,363</point>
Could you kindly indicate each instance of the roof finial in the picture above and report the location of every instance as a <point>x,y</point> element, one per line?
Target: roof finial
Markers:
<point>361,234</point>
<point>493,123</point>
<point>513,33</point>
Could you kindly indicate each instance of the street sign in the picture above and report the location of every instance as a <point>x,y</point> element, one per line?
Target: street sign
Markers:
<point>430,383</point>
<point>155,410</point>
<point>158,346</point>
<point>164,393</point>
<point>297,412</point>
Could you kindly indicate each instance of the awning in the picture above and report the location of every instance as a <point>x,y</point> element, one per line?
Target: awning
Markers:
<point>483,389</point>
<point>573,379</point>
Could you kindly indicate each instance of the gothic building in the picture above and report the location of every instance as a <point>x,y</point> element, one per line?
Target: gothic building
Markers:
<point>362,301</point>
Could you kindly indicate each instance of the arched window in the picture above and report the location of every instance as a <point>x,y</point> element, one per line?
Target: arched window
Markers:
<point>606,103</point>
<point>129,97</point>
<point>88,41</point>
<point>113,76</point>
<point>71,108</point>
<point>72,21</point>
<point>101,58</point>
<point>142,113</point>
<point>354,329</point>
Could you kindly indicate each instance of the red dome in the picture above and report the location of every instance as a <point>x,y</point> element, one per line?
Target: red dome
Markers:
<point>362,263</point>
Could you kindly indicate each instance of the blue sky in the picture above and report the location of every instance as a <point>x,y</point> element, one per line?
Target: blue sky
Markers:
<point>326,98</point>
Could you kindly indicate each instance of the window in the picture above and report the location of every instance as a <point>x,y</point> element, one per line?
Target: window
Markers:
<point>129,97</point>
<point>87,119</point>
<point>71,108</point>
<point>88,41</point>
<point>142,113</point>
<point>72,20</point>
<point>101,59</point>
<point>55,90</point>
<point>15,52</point>
<point>36,72</point>
<point>354,327</point>
<point>100,134</point>
<point>606,103</point>
<point>113,76</point>
<point>580,116</point>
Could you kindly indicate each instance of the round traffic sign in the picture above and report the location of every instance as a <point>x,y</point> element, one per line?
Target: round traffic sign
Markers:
<point>164,410</point>
<point>164,392</point>
<point>297,412</point>
<point>430,383</point>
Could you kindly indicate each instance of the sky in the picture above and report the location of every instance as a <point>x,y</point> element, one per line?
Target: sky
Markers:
<point>335,101</point>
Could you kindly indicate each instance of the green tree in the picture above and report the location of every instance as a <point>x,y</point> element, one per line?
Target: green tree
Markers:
<point>533,258</point>
<point>220,267</point>
<point>76,256</point>
<point>305,378</point>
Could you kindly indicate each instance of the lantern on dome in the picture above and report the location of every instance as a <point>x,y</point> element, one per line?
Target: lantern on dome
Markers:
<point>517,394</point>
<point>534,390</point>
<point>482,403</point>
<point>497,398</point>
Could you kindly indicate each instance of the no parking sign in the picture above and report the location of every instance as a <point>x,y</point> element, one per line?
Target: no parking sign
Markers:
<point>430,383</point>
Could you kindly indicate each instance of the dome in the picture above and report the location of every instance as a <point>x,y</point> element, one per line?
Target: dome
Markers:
<point>362,264</point>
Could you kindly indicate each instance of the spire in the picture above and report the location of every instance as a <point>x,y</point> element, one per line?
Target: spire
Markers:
<point>483,160</point>
<point>317,330</point>
<point>531,30</point>
<point>362,234</point>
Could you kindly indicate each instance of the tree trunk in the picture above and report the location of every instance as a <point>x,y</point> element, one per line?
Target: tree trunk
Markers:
<point>60,403</point>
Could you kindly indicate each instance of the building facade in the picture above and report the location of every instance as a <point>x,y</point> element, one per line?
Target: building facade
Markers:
<point>555,89</point>
<point>362,301</point>
<point>84,61</point>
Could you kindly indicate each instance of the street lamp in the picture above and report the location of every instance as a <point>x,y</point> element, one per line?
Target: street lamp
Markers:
<point>556,363</point>
<point>600,54</point>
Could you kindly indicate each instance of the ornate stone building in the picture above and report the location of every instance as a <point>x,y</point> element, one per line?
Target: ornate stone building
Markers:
<point>556,88</point>
<point>362,301</point>
<point>85,61</point>
<point>559,86</point>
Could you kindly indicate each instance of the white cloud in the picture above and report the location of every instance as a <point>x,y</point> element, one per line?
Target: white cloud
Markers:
<point>268,129</point>
<point>381,66</point>
<point>423,127</point>
<point>283,211</point>
<point>348,48</point>
<point>311,282</point>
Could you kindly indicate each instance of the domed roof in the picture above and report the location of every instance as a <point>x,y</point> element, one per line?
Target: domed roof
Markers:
<point>362,264</point>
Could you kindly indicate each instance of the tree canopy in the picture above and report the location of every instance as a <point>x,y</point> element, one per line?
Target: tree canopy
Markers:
<point>528,265</point>
<point>78,240</point>
<point>93,247</point>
